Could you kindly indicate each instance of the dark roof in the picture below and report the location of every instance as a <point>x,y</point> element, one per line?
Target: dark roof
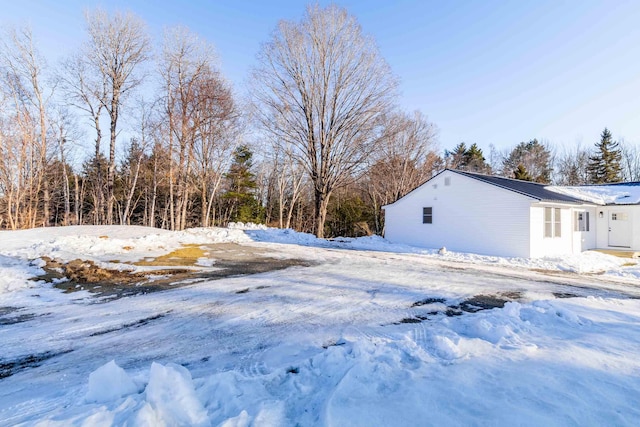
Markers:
<point>527,188</point>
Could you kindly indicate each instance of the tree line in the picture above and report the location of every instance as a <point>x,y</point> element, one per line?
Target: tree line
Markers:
<point>319,146</point>
<point>608,161</point>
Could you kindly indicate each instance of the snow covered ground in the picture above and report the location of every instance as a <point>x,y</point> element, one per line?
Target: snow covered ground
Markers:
<point>369,334</point>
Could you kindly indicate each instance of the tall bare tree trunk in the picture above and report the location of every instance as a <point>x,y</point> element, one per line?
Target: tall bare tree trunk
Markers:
<point>76,204</point>
<point>322,86</point>
<point>111,169</point>
<point>117,46</point>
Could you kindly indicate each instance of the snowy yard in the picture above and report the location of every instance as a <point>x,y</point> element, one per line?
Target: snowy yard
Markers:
<point>364,333</point>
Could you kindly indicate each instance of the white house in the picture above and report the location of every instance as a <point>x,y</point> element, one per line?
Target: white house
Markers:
<point>469,212</point>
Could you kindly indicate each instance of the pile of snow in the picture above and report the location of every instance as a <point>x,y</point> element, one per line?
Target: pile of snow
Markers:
<point>20,251</point>
<point>103,243</point>
<point>169,398</point>
<point>246,226</point>
<point>286,236</point>
<point>15,273</point>
<point>109,382</point>
<point>542,363</point>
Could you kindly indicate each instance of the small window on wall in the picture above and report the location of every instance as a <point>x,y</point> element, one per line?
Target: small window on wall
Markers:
<point>581,221</point>
<point>427,215</point>
<point>447,181</point>
<point>619,216</point>
<point>552,222</point>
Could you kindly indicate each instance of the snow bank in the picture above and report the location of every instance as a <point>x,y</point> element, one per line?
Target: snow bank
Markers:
<point>287,236</point>
<point>109,382</point>
<point>100,244</point>
<point>15,273</point>
<point>171,398</point>
<point>548,362</point>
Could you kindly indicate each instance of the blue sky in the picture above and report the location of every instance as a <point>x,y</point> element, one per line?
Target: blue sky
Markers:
<point>490,72</point>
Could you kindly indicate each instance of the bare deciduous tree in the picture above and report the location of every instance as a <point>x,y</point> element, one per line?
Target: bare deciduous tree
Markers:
<point>321,86</point>
<point>284,178</point>
<point>405,158</point>
<point>571,166</point>
<point>630,161</point>
<point>22,79</point>
<point>65,135</point>
<point>116,47</point>
<point>218,133</point>
<point>202,122</point>
<point>87,91</point>
<point>185,64</point>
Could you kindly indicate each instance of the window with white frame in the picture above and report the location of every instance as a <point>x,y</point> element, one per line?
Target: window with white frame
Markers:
<point>552,222</point>
<point>581,221</point>
<point>619,216</point>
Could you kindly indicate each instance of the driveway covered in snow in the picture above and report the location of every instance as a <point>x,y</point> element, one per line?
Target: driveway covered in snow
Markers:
<point>350,335</point>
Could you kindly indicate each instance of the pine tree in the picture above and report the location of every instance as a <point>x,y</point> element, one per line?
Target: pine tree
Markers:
<point>521,173</point>
<point>456,159</point>
<point>243,204</point>
<point>475,161</point>
<point>468,159</point>
<point>604,165</point>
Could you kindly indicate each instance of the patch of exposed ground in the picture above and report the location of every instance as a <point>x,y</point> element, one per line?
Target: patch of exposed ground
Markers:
<point>564,295</point>
<point>428,301</point>
<point>474,304</point>
<point>184,266</point>
<point>186,256</point>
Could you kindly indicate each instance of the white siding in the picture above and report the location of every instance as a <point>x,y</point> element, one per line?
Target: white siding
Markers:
<point>634,214</point>
<point>569,242</point>
<point>468,216</point>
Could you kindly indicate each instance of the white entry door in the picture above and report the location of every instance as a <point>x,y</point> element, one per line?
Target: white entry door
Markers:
<point>619,229</point>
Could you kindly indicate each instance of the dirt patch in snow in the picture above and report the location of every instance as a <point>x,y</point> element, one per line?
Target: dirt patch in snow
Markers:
<point>438,306</point>
<point>185,266</point>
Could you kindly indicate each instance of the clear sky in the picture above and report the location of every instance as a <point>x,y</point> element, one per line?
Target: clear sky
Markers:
<point>490,72</point>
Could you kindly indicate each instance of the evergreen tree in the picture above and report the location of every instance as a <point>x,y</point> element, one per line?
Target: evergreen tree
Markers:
<point>604,165</point>
<point>521,173</point>
<point>468,159</point>
<point>475,161</point>
<point>242,202</point>
<point>535,160</point>
<point>456,159</point>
